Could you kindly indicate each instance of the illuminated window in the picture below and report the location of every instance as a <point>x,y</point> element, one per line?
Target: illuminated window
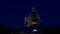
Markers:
<point>34,30</point>
<point>33,23</point>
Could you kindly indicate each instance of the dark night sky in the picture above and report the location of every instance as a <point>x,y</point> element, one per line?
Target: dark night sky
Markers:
<point>12,12</point>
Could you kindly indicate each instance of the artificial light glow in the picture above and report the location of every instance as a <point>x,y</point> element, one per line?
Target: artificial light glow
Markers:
<point>33,8</point>
<point>25,20</point>
<point>33,23</point>
<point>34,30</point>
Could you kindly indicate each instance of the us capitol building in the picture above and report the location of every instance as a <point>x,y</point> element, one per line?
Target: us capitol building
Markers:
<point>32,23</point>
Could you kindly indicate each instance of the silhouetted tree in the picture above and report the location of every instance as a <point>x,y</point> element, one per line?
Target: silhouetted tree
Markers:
<point>50,30</point>
<point>11,31</point>
<point>47,30</point>
<point>56,30</point>
<point>1,29</point>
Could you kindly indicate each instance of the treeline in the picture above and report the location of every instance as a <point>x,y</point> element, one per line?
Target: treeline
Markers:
<point>46,30</point>
<point>51,30</point>
<point>4,30</point>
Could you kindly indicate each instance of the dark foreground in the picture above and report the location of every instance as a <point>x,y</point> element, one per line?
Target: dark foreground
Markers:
<point>21,30</point>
